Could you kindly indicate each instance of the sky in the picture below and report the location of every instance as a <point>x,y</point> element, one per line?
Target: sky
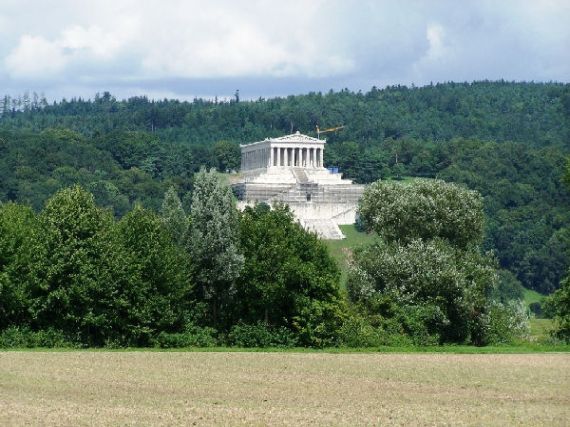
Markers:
<point>186,48</point>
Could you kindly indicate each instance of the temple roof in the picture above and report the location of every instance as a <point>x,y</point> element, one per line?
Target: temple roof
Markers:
<point>297,137</point>
<point>294,137</point>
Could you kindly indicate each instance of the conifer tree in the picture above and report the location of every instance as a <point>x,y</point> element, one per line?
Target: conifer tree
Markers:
<point>213,241</point>
<point>173,216</point>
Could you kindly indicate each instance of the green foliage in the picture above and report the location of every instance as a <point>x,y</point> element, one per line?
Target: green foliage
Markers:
<point>361,331</point>
<point>508,288</point>
<point>73,268</point>
<point>228,155</point>
<point>104,283</point>
<point>437,290</point>
<point>23,337</point>
<point>558,304</point>
<point>213,241</point>
<point>18,227</point>
<point>426,209</point>
<point>536,309</point>
<point>318,320</point>
<point>192,336</point>
<point>173,216</point>
<point>429,274</point>
<point>260,335</point>
<point>158,297</point>
<point>357,332</point>
<point>566,176</point>
<point>71,287</point>
<point>289,279</point>
<point>506,140</point>
<point>506,323</point>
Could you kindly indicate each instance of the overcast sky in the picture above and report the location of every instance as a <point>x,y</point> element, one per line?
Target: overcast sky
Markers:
<point>187,48</point>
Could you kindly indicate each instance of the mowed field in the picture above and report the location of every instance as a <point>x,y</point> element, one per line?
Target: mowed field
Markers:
<point>201,388</point>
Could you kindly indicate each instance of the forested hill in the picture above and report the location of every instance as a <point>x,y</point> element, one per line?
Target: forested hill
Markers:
<point>534,113</point>
<point>508,140</point>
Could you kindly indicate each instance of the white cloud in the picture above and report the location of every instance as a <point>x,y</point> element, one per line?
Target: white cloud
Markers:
<point>35,57</point>
<point>338,43</point>
<point>96,41</point>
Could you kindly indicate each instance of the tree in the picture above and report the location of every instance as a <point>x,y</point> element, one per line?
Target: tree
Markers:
<point>424,209</point>
<point>213,241</point>
<point>18,228</point>
<point>566,176</point>
<point>288,279</point>
<point>158,298</point>
<point>428,271</point>
<point>173,216</point>
<point>447,286</point>
<point>73,288</point>
<point>227,155</point>
<point>559,305</point>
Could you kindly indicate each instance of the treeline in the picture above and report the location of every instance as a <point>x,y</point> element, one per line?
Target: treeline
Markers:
<point>509,141</point>
<point>533,113</point>
<point>75,275</point>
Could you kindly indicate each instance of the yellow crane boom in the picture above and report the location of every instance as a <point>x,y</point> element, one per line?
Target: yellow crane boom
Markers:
<point>334,129</point>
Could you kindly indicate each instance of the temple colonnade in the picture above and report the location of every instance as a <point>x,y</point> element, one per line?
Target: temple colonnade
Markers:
<point>282,156</point>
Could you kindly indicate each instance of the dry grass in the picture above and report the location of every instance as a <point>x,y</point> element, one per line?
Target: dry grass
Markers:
<point>162,388</point>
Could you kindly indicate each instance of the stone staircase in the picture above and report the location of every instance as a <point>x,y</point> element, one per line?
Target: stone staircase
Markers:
<point>300,175</point>
<point>325,228</point>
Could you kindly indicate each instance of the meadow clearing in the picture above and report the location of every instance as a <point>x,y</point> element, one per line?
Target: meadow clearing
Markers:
<point>314,388</point>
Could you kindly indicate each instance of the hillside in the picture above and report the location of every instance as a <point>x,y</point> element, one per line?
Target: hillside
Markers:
<point>507,140</point>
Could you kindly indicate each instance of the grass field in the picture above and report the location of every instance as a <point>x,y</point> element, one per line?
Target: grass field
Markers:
<point>173,388</point>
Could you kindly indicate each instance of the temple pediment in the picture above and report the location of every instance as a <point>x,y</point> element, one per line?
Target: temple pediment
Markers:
<point>297,137</point>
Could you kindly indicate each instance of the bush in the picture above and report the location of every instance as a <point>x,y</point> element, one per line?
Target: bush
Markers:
<point>434,290</point>
<point>260,335</point>
<point>508,287</point>
<point>536,309</point>
<point>193,336</point>
<point>558,305</point>
<point>506,322</point>
<point>422,323</point>
<point>357,331</point>
<point>14,337</point>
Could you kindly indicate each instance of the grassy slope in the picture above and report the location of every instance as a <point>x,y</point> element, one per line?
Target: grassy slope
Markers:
<point>341,250</point>
<point>539,328</point>
<point>531,296</point>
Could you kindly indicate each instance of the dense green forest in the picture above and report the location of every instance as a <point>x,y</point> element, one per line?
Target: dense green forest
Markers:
<point>509,141</point>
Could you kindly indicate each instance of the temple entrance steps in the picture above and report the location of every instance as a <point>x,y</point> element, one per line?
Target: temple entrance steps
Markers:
<point>325,228</point>
<point>300,175</point>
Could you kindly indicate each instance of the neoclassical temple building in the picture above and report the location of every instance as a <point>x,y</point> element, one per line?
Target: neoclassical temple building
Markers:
<point>290,170</point>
